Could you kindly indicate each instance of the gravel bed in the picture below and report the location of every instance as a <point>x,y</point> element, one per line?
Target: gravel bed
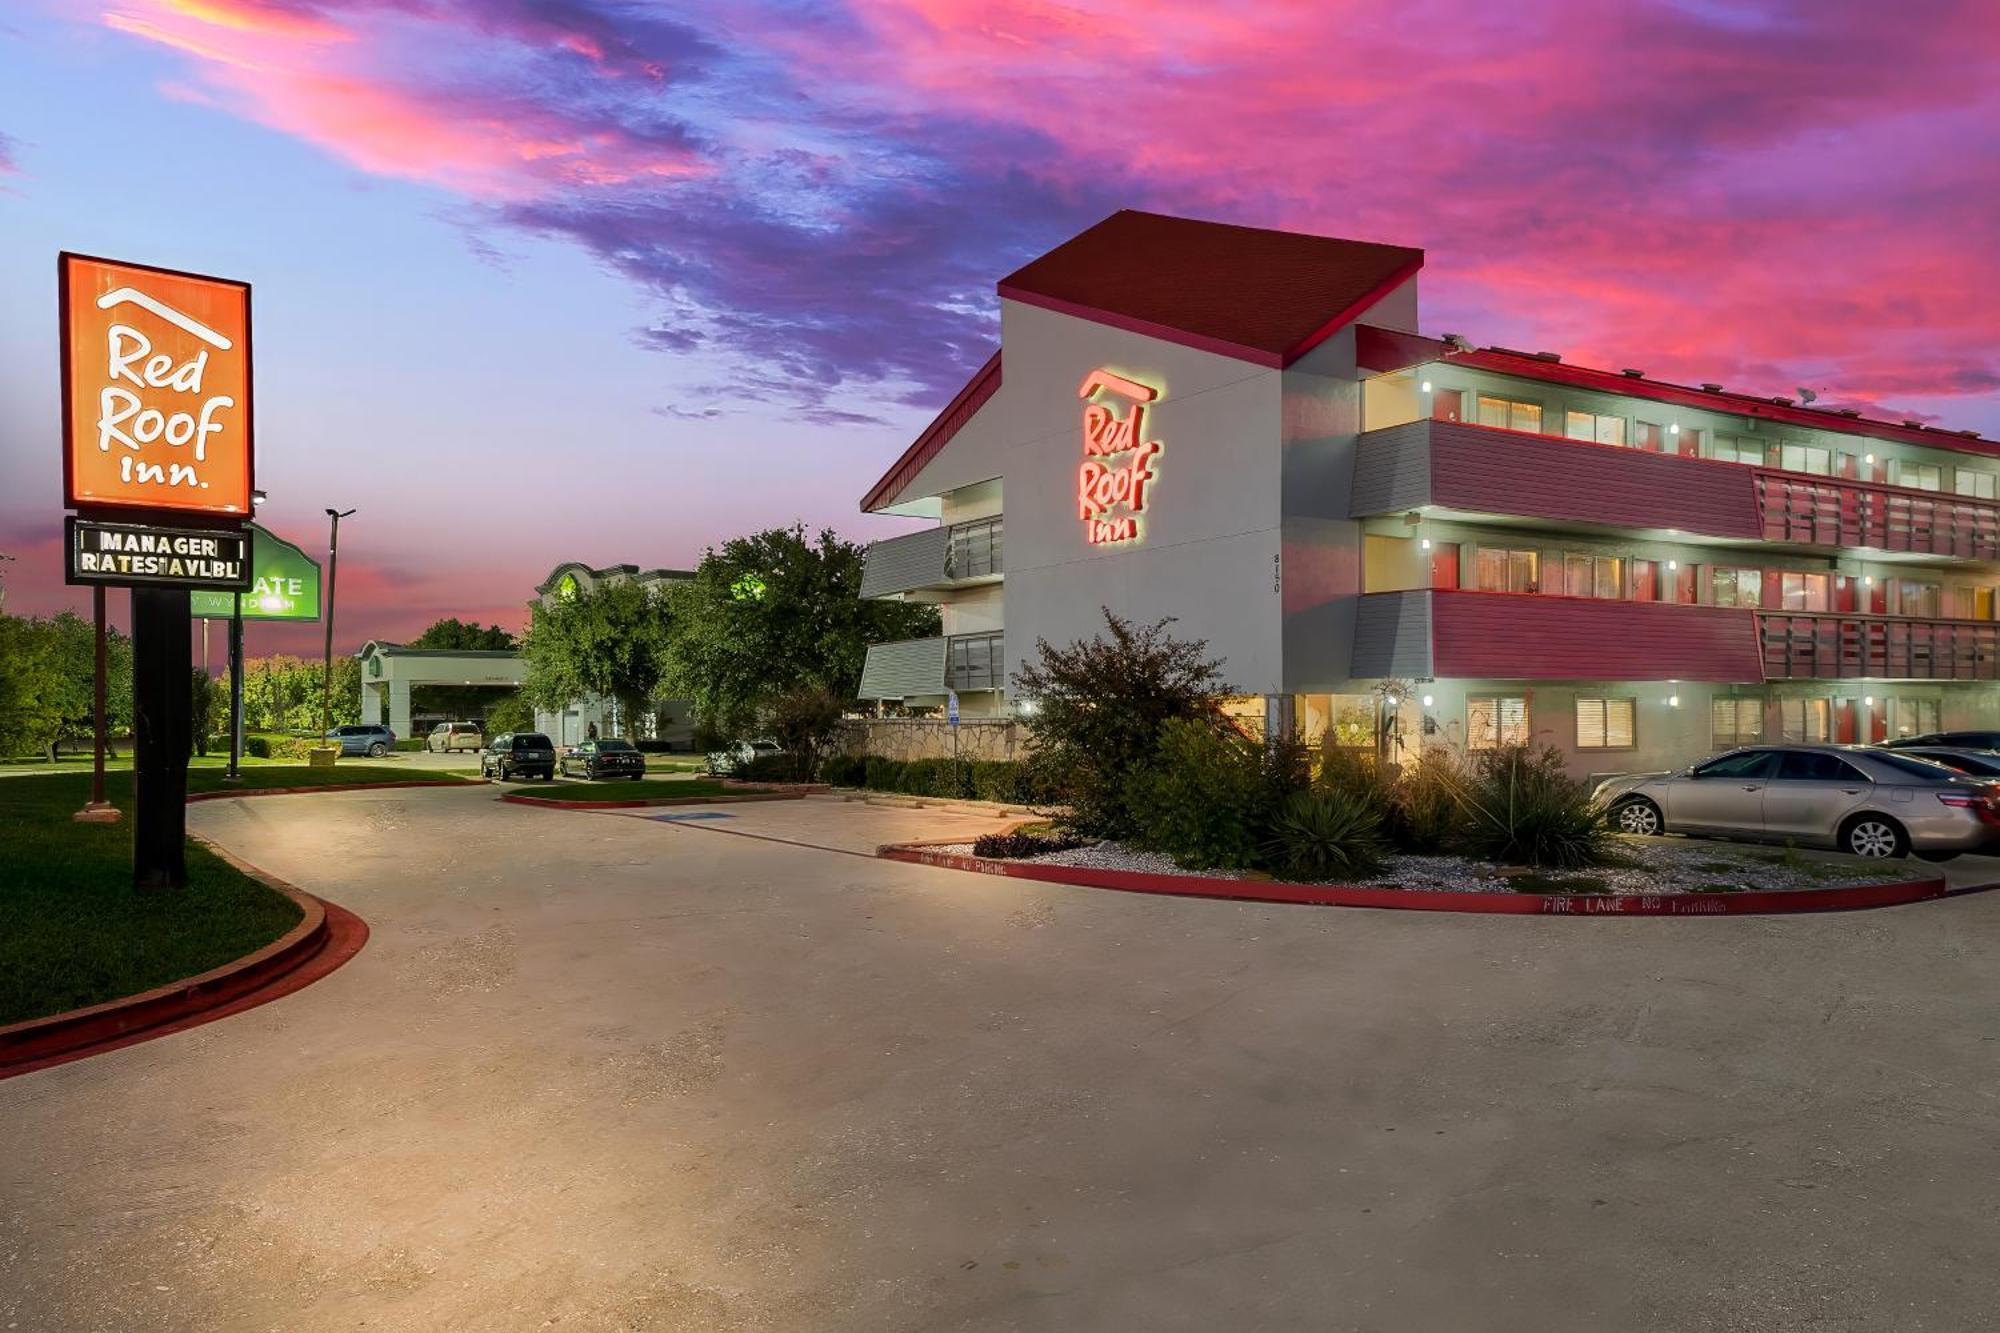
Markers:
<point>1663,866</point>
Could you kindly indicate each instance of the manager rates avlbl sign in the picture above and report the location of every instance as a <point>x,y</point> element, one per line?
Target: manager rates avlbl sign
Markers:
<point>152,555</point>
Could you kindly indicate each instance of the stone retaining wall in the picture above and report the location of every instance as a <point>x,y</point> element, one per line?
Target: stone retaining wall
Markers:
<point>930,738</point>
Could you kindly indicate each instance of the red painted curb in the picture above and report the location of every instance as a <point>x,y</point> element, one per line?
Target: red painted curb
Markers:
<point>326,937</point>
<point>1758,902</point>
<point>230,795</point>
<point>552,803</point>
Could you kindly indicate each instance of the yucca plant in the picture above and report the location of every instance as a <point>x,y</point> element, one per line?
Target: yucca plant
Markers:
<point>1521,808</point>
<point>1326,833</point>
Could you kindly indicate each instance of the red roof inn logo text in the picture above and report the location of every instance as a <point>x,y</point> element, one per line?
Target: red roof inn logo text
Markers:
<point>1117,458</point>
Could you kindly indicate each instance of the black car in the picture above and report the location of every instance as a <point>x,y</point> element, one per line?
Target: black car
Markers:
<point>1949,740</point>
<point>603,759</point>
<point>518,753</point>
<point>1973,763</point>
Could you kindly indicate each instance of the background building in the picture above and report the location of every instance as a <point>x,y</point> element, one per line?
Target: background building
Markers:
<point>1393,538</point>
<point>668,720</point>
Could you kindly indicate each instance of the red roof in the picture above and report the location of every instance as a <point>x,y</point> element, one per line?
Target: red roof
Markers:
<point>1267,297</point>
<point>984,382</point>
<point>1388,349</point>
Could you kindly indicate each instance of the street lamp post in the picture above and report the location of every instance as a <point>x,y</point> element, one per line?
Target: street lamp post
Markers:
<point>332,583</point>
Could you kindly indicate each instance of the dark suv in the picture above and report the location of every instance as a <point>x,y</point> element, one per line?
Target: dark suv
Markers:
<point>518,753</point>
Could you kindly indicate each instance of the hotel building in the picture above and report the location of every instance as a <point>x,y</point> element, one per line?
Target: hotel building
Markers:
<point>1393,539</point>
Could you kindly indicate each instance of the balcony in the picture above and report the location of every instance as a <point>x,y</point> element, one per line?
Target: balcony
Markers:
<point>1481,470</point>
<point>1836,646</point>
<point>1829,511</point>
<point>912,668</point>
<point>942,557</point>
<point>1535,636</point>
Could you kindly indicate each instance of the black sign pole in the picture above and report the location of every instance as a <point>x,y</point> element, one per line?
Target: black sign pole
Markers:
<point>235,773</point>
<point>162,735</point>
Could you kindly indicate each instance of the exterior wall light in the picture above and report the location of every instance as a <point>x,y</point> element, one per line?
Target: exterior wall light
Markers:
<point>1674,429</point>
<point>1673,565</point>
<point>1867,580</point>
<point>1868,700</point>
<point>1673,701</point>
<point>1425,544</point>
<point>1869,459</point>
<point>1391,700</point>
<point>1429,699</point>
<point>1427,386</point>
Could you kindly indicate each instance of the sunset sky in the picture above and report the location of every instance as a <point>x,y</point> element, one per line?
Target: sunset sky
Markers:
<point>550,279</point>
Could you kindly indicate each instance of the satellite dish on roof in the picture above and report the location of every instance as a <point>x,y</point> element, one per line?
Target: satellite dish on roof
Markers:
<point>1807,395</point>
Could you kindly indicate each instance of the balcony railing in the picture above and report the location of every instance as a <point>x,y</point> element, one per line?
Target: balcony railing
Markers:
<point>1829,511</point>
<point>911,668</point>
<point>934,558</point>
<point>1815,645</point>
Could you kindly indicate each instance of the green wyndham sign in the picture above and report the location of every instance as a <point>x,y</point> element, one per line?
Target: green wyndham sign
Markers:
<point>284,584</point>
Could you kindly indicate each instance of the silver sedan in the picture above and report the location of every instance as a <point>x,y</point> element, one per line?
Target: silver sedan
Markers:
<point>1868,802</point>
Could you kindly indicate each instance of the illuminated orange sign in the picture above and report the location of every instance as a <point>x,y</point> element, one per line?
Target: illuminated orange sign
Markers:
<point>1103,486</point>
<point>156,388</point>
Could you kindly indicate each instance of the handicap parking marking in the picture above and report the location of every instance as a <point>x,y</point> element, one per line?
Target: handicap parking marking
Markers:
<point>694,814</point>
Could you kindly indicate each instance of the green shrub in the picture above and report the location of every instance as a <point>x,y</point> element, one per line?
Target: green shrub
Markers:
<point>257,747</point>
<point>1521,808</point>
<point>1200,799</point>
<point>1009,782</point>
<point>1013,846</point>
<point>416,744</point>
<point>880,774</point>
<point>933,777</point>
<point>1327,833</point>
<point>1098,711</point>
<point>843,770</point>
<point>1426,816</point>
<point>767,768</point>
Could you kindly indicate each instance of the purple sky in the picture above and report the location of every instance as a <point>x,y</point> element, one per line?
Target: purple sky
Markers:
<point>551,279</point>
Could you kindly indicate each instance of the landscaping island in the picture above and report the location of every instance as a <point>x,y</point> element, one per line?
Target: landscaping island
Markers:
<point>74,932</point>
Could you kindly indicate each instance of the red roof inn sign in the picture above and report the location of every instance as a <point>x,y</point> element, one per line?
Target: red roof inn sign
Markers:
<point>157,452</point>
<point>1117,458</point>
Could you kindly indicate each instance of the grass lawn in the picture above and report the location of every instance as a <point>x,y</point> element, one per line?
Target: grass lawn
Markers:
<point>628,790</point>
<point>74,932</point>
<point>676,763</point>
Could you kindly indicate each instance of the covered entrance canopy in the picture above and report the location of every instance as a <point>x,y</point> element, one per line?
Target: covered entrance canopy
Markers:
<point>389,670</point>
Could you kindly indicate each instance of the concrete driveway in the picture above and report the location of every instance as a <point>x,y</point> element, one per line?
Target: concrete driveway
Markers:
<point>609,1072</point>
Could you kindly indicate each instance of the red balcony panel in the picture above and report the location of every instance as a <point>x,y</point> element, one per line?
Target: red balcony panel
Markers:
<point>1530,636</point>
<point>1817,646</point>
<point>1825,511</point>
<point>1483,470</point>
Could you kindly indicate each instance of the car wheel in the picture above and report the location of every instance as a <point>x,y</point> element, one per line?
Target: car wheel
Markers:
<point>1639,817</point>
<point>377,750</point>
<point>1876,837</point>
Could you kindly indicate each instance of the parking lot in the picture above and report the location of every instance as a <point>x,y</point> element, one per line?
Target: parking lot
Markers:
<point>715,1068</point>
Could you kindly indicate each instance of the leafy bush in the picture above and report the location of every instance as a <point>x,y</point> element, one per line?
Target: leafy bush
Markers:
<point>1009,782</point>
<point>1013,846</point>
<point>1327,833</point>
<point>1521,808</point>
<point>1200,798</point>
<point>767,768</point>
<point>1099,709</point>
<point>257,747</point>
<point>880,774</point>
<point>843,770</point>
<point>934,777</point>
<point>804,720</point>
<point>1426,816</point>
<point>416,744</point>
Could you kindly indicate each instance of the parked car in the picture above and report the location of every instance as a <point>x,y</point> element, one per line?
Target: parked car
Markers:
<point>366,738</point>
<point>730,758</point>
<point>1975,763</point>
<point>516,752</point>
<point>1955,740</point>
<point>1858,799</point>
<point>448,736</point>
<point>608,758</point>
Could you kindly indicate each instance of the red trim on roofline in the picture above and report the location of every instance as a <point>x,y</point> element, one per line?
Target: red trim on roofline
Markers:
<point>982,386</point>
<point>1256,356</point>
<point>1381,349</point>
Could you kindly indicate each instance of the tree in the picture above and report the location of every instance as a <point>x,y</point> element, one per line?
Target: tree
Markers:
<point>773,612</point>
<point>1096,708</point>
<point>454,635</point>
<point>208,700</point>
<point>804,720</point>
<point>509,712</point>
<point>282,693</point>
<point>604,642</point>
<point>47,672</point>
